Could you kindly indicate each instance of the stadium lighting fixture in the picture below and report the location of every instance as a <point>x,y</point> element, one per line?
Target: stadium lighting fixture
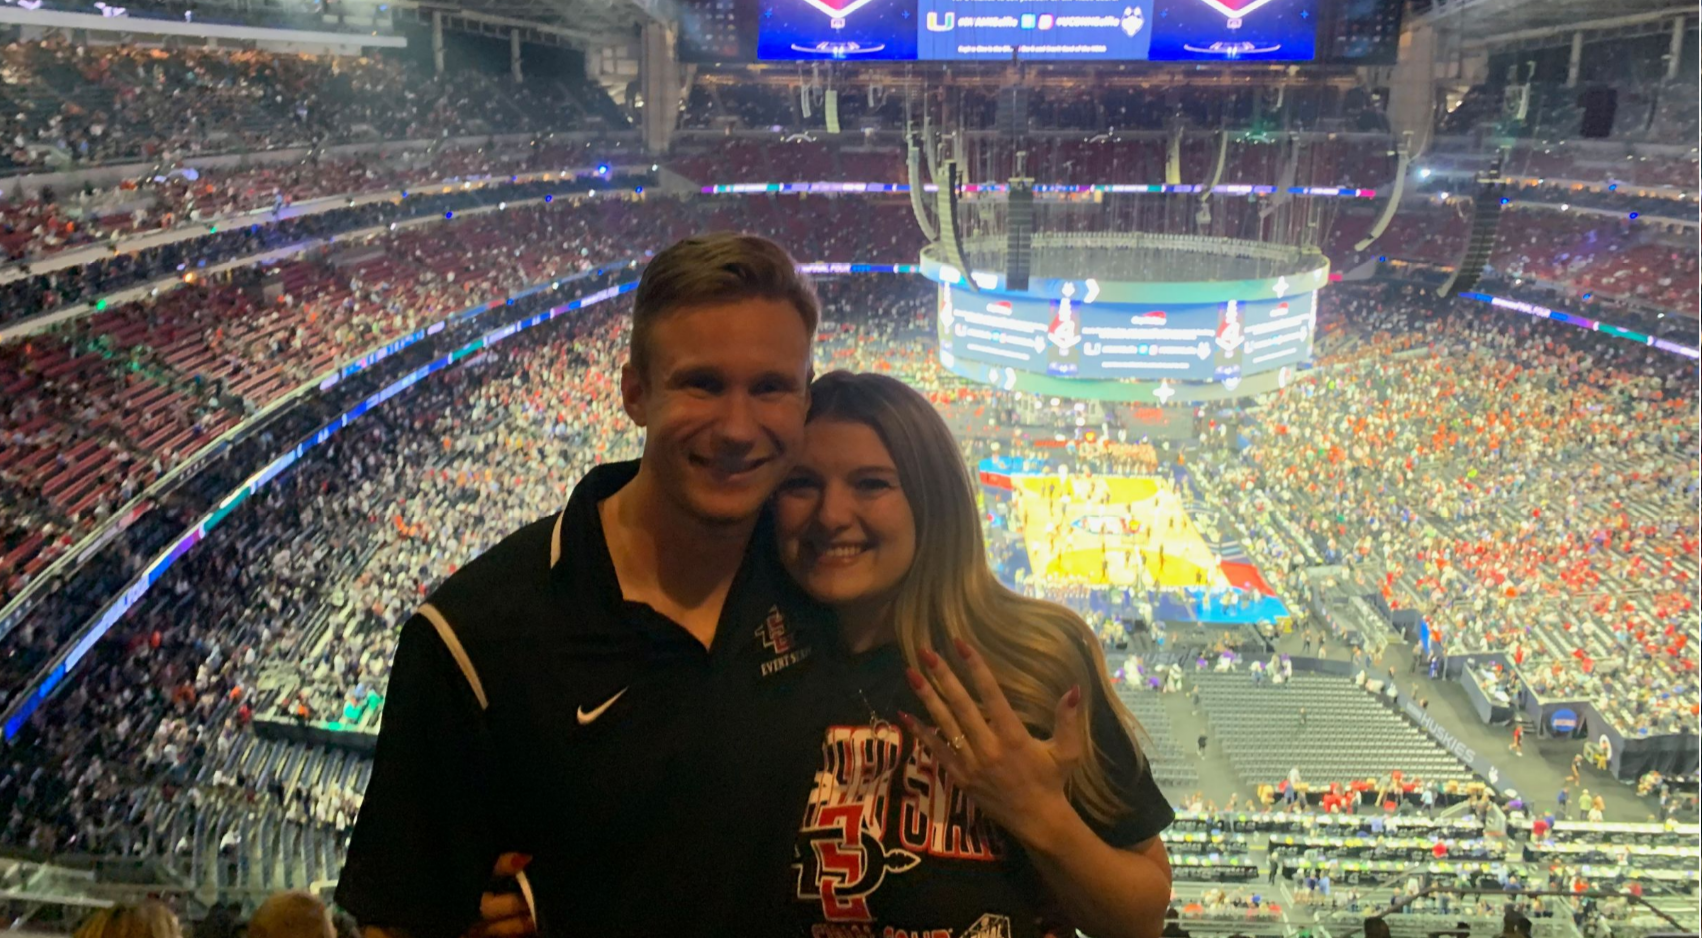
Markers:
<point>1424,172</point>
<point>501,206</point>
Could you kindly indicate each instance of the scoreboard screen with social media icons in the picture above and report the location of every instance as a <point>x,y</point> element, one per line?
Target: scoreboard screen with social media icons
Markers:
<point>1362,31</point>
<point>958,30</point>
<point>1065,338</point>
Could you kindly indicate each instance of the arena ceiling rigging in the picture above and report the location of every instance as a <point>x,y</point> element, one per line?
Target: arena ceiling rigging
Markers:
<point>1493,20</point>
<point>579,23</point>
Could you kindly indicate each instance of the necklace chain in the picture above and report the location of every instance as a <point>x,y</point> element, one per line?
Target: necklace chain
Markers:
<point>876,721</point>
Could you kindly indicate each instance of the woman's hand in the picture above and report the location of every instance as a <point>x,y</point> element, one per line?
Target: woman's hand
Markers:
<point>1018,780</point>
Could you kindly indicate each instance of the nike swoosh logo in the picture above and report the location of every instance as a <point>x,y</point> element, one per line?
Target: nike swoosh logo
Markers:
<point>586,717</point>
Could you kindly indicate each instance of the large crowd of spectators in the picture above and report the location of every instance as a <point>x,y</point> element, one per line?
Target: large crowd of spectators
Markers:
<point>290,610</point>
<point>34,293</point>
<point>1526,486</point>
<point>1595,254</point>
<point>357,533</point>
<point>1620,167</point>
<point>108,403</point>
<point>869,100</point>
<point>167,196</point>
<point>1583,255</point>
<point>1619,200</point>
<point>63,104</point>
<point>1319,161</point>
<point>105,404</point>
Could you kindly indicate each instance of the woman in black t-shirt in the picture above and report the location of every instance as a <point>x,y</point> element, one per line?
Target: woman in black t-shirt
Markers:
<point>979,776</point>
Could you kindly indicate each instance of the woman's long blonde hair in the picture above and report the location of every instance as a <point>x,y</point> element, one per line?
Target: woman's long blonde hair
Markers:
<point>1037,650</point>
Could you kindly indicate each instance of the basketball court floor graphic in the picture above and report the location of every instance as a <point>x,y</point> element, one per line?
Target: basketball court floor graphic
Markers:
<point>1108,529</point>
<point>1138,532</point>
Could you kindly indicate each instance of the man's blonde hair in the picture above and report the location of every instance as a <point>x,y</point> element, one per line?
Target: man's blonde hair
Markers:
<point>719,267</point>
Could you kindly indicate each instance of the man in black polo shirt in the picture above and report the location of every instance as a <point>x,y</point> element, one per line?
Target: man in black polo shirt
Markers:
<point>595,689</point>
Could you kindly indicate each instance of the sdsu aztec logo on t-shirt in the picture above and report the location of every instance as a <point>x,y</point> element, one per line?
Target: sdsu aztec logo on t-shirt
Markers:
<point>881,807</point>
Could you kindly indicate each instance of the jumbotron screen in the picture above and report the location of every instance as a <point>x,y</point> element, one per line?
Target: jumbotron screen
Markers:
<point>1342,31</point>
<point>1063,338</point>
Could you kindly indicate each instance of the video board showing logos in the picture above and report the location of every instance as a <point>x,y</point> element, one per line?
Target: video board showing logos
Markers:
<point>1348,32</point>
<point>1034,29</point>
<point>1220,342</point>
<point>1360,31</point>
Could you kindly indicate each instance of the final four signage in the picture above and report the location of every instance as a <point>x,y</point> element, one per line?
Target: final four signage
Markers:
<point>1235,10</point>
<point>838,10</point>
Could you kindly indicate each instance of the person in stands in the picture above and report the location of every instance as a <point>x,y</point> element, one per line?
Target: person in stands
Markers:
<point>1018,797</point>
<point>293,914</point>
<point>619,678</point>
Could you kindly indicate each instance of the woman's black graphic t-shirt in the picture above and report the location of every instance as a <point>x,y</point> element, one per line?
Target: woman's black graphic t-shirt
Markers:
<point>889,847</point>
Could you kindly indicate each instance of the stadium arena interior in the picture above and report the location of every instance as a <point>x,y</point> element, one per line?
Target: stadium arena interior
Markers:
<point>1335,360</point>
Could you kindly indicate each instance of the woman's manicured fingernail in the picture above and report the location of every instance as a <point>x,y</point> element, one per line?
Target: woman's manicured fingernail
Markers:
<point>917,682</point>
<point>907,718</point>
<point>1073,697</point>
<point>929,658</point>
<point>963,649</point>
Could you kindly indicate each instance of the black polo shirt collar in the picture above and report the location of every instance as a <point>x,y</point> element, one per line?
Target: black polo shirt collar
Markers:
<point>582,574</point>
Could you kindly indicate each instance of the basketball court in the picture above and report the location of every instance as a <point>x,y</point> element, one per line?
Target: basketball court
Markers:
<point>1105,529</point>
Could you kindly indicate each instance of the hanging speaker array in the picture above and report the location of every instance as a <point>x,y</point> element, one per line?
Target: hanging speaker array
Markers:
<point>1486,222</point>
<point>1019,233</point>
